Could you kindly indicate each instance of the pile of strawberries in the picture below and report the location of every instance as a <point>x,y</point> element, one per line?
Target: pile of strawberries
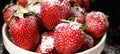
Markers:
<point>54,26</point>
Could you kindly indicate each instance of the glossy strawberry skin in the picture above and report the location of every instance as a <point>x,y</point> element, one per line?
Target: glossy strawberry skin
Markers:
<point>8,13</point>
<point>86,4</point>
<point>67,40</point>
<point>47,44</point>
<point>25,32</point>
<point>96,24</point>
<point>23,2</point>
<point>53,11</point>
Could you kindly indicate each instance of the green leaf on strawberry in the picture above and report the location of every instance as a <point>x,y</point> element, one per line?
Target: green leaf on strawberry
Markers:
<point>20,12</point>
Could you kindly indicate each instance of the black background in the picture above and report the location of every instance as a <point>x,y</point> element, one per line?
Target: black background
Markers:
<point>109,7</point>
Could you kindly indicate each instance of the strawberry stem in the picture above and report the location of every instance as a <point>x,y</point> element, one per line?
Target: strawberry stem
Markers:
<point>83,26</point>
<point>107,16</point>
<point>18,6</point>
<point>10,18</point>
<point>71,19</point>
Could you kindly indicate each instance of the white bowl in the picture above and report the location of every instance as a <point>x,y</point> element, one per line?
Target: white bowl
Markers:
<point>13,49</point>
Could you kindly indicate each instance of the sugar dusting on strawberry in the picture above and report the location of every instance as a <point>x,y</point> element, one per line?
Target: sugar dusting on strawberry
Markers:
<point>47,44</point>
<point>52,11</point>
<point>36,25</point>
<point>25,32</point>
<point>77,13</point>
<point>67,39</point>
<point>35,7</point>
<point>96,24</point>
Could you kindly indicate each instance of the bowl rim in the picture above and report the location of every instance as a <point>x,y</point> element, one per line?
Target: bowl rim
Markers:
<point>7,39</point>
<point>103,38</point>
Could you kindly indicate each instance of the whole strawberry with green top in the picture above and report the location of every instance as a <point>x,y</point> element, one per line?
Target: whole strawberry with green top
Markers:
<point>68,38</point>
<point>52,11</point>
<point>24,29</point>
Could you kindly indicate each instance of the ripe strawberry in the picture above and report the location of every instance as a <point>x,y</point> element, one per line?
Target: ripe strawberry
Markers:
<point>76,12</point>
<point>52,11</point>
<point>25,32</point>
<point>86,4</point>
<point>23,2</point>
<point>76,2</point>
<point>47,44</point>
<point>9,13</point>
<point>88,42</point>
<point>82,3</point>
<point>68,38</point>
<point>96,24</point>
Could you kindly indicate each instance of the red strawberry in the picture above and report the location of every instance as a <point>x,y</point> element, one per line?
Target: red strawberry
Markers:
<point>76,12</point>
<point>82,3</point>
<point>68,38</point>
<point>23,2</point>
<point>86,4</point>
<point>76,2</point>
<point>88,42</point>
<point>47,44</point>
<point>52,11</point>
<point>25,32</point>
<point>8,13</point>
<point>96,24</point>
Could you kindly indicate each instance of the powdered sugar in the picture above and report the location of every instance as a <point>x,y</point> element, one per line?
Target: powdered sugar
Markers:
<point>47,43</point>
<point>72,25</point>
<point>52,2</point>
<point>20,12</point>
<point>61,25</point>
<point>75,25</point>
<point>35,8</point>
<point>33,1</point>
<point>76,10</point>
<point>97,15</point>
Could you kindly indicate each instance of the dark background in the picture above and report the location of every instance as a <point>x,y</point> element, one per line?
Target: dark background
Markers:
<point>109,7</point>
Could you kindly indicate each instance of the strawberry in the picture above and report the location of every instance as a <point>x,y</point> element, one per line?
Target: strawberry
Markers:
<point>9,13</point>
<point>86,4</point>
<point>52,11</point>
<point>82,3</point>
<point>25,32</point>
<point>76,12</point>
<point>76,2</point>
<point>96,24</point>
<point>23,2</point>
<point>88,42</point>
<point>35,8</point>
<point>47,44</point>
<point>68,38</point>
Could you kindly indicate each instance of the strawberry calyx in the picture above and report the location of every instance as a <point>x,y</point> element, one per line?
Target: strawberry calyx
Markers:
<point>33,1</point>
<point>7,6</point>
<point>20,12</point>
<point>83,27</point>
<point>73,24</point>
<point>107,16</point>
